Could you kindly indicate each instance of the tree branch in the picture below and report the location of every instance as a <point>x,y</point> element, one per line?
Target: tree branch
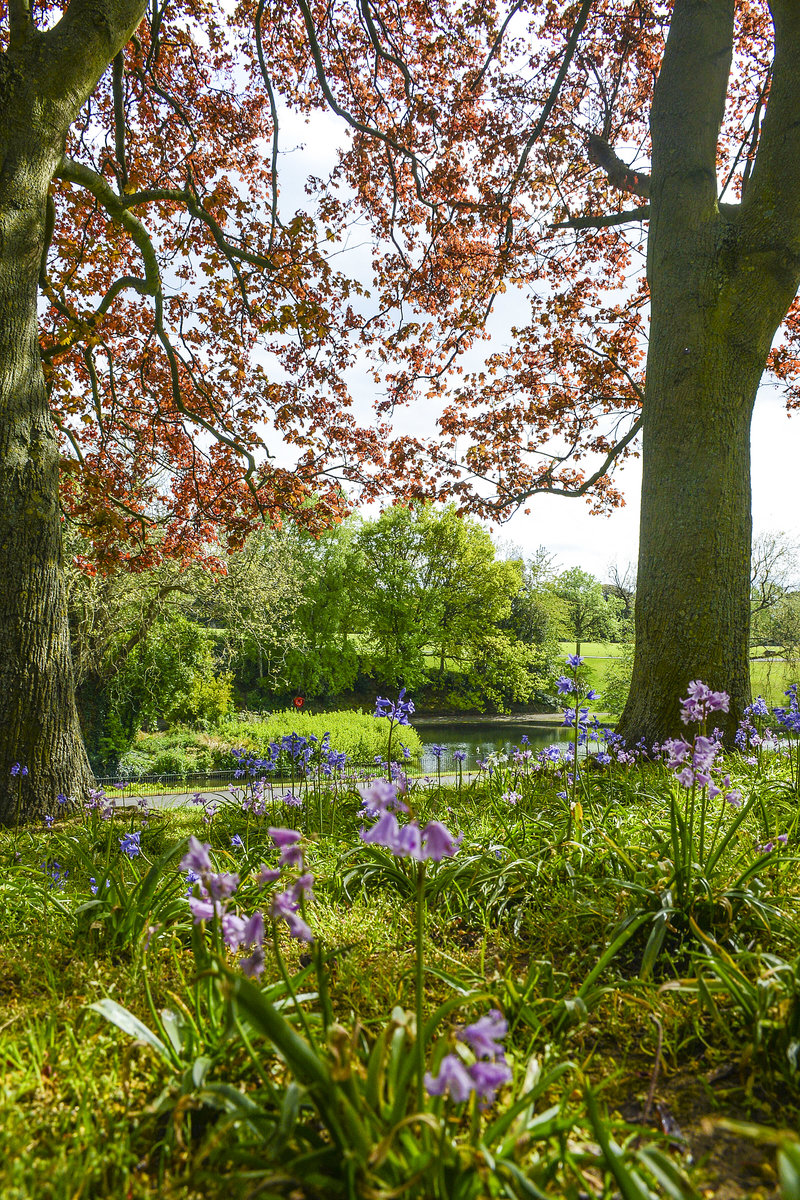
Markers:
<point>606,220</point>
<point>773,191</point>
<point>20,23</point>
<point>620,175</point>
<point>687,111</point>
<point>78,49</point>
<point>74,172</point>
<point>118,87</point>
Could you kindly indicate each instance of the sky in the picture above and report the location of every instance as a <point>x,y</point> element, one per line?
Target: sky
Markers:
<point>566,527</point>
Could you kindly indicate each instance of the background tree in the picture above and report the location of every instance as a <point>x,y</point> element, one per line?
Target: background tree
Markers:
<point>774,572</point>
<point>538,616</point>
<point>621,583</point>
<point>324,659</point>
<point>252,603</point>
<point>590,612</point>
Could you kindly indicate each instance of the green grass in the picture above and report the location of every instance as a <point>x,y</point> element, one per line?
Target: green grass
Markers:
<point>552,910</point>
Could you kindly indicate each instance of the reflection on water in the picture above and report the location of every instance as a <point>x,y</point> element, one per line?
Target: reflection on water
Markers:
<point>478,740</point>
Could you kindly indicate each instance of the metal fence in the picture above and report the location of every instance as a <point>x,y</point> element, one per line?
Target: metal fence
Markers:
<point>192,782</point>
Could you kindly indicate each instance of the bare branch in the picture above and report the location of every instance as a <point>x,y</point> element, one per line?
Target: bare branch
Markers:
<point>606,220</point>
<point>620,175</point>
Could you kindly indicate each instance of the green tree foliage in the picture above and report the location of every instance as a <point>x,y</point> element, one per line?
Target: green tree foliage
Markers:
<point>172,677</point>
<point>430,583</point>
<point>591,614</point>
<point>323,660</point>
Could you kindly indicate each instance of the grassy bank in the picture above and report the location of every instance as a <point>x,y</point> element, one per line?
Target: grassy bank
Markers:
<point>636,938</point>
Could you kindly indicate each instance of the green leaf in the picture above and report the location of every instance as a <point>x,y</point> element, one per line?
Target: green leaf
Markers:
<point>789,1170</point>
<point>130,1024</point>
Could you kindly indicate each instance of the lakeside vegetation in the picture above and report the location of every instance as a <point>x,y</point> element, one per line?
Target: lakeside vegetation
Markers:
<point>632,925</point>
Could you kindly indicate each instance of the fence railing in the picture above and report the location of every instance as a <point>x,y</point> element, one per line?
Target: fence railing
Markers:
<point>190,782</point>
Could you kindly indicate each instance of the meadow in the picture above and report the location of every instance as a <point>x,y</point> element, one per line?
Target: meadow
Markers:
<point>576,977</point>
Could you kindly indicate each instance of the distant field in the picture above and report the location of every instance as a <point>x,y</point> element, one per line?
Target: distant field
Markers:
<point>594,649</point>
<point>769,678</point>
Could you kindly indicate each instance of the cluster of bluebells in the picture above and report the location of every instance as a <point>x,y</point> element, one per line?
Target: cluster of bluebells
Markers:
<point>99,802</point>
<point>694,762</point>
<point>130,844</point>
<point>58,874</point>
<point>486,1075</point>
<point>749,736</point>
<point>209,899</point>
<point>781,840</point>
<point>396,711</point>
<point>701,702</point>
<point>434,841</point>
<point>286,903</point>
<point>301,751</point>
<point>19,771</point>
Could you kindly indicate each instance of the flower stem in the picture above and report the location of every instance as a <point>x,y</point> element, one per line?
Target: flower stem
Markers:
<point>418,983</point>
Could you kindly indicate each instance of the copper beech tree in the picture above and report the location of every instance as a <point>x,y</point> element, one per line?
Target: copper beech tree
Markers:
<point>175,345</point>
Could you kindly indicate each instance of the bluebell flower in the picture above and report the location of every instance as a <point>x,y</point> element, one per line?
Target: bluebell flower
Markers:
<point>129,844</point>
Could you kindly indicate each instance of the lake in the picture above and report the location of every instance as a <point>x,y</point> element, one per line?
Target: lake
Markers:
<point>479,738</point>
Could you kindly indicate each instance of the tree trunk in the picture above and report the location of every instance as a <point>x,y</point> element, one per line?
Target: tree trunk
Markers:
<point>38,719</point>
<point>721,279</point>
<point>693,597</point>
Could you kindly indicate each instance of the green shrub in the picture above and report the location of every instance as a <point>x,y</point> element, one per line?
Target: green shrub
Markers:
<point>182,750</point>
<point>362,736</point>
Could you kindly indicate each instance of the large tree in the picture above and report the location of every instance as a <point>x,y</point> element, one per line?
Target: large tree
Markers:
<point>653,318</point>
<point>144,258</point>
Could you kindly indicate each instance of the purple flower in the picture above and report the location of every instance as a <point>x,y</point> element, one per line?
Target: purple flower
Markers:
<point>676,750</point>
<point>254,931</point>
<point>487,1077</point>
<point>284,837</point>
<point>484,1036</point>
<point>384,832</point>
<point>267,875</point>
<point>202,910</point>
<point>379,795</point>
<point>565,684</point>
<point>298,928</point>
<point>437,751</point>
<point>18,770</point>
<point>574,660</point>
<point>292,800</point>
<point>48,820</point>
<point>700,701</point>
<point>459,756</point>
<point>62,799</point>
<point>237,842</point>
<point>438,842</point>
<point>129,844</point>
<point>398,711</point>
<point>453,1078</point>
<point>221,886</point>
<point>282,904</point>
<point>253,966</point>
<point>408,843</point>
<point>197,857</point>
<point>511,798</point>
<point>291,856</point>
<point>303,885</point>
<point>233,929</point>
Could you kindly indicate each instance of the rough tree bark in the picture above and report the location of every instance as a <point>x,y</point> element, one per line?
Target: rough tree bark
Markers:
<point>45,79</point>
<point>721,278</point>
